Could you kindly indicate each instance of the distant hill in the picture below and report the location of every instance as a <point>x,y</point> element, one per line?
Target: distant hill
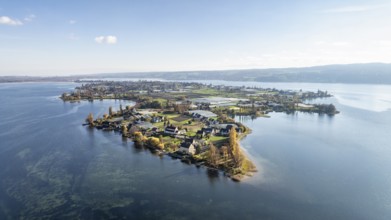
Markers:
<point>373,73</point>
<point>21,79</point>
<point>370,73</point>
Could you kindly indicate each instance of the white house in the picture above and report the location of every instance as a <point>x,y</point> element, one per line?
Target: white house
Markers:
<point>172,130</point>
<point>187,147</point>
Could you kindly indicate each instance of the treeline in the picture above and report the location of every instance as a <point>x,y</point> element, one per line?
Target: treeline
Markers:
<point>370,73</point>
<point>326,109</point>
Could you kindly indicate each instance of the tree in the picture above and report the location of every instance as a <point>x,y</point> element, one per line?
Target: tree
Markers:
<point>121,109</point>
<point>90,119</point>
<point>133,130</point>
<point>153,142</point>
<point>233,145</point>
<point>168,103</point>
<point>161,138</point>
<point>224,151</point>
<point>156,104</point>
<point>171,146</point>
<point>124,130</point>
<point>138,139</point>
<point>213,156</point>
<point>331,109</point>
<point>160,146</point>
<point>111,111</point>
<point>328,109</point>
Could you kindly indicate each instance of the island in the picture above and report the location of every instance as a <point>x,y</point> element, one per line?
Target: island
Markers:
<point>191,121</point>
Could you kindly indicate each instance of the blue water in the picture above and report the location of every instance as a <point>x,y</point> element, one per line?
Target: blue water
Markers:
<point>310,166</point>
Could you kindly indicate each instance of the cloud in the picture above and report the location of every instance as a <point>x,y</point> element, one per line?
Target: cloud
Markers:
<point>100,39</point>
<point>72,21</point>
<point>9,21</point>
<point>106,39</point>
<point>29,18</point>
<point>111,39</point>
<point>356,8</point>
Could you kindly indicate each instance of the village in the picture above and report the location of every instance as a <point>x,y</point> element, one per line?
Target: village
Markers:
<point>239,100</point>
<point>195,137</point>
<point>192,122</point>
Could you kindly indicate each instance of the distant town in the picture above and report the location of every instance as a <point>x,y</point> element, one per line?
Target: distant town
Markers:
<point>190,121</point>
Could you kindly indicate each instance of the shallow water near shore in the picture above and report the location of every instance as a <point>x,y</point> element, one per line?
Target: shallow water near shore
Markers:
<point>310,166</point>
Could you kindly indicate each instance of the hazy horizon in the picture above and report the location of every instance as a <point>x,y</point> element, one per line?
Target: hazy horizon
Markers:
<point>179,71</point>
<point>42,38</point>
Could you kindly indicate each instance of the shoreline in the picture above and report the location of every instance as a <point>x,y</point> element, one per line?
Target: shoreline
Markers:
<point>192,121</point>
<point>142,140</point>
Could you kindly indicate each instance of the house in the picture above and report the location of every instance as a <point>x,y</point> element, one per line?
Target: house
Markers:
<point>156,119</point>
<point>200,134</point>
<point>145,125</point>
<point>224,132</point>
<point>192,106</point>
<point>229,127</point>
<point>187,147</point>
<point>212,121</point>
<point>195,115</point>
<point>190,140</point>
<point>171,130</point>
<point>145,117</point>
<point>210,131</point>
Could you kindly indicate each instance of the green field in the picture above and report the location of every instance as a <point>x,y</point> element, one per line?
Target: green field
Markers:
<point>218,140</point>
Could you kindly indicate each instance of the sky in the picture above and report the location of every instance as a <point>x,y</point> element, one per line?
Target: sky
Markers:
<point>67,37</point>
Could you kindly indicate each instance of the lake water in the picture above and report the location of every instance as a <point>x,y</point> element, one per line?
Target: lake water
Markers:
<point>310,166</point>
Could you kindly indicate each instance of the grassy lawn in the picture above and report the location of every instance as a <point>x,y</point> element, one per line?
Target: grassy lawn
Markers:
<point>201,156</point>
<point>195,126</point>
<point>214,118</point>
<point>168,139</point>
<point>170,116</point>
<point>218,140</point>
<point>175,119</point>
<point>178,124</point>
<point>181,118</point>
<point>209,92</point>
<point>159,125</point>
<point>162,101</point>
<point>191,133</point>
<point>233,95</point>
